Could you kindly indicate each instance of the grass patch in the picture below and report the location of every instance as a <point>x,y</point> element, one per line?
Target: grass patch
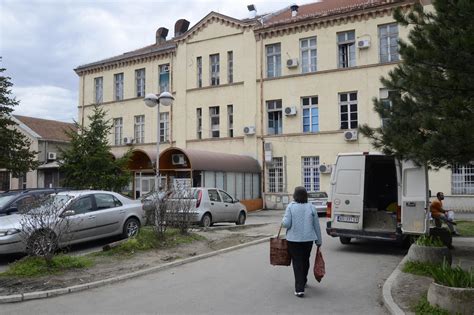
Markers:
<point>36,266</point>
<point>465,228</point>
<point>424,308</point>
<point>147,240</point>
<point>419,268</point>
<point>429,240</point>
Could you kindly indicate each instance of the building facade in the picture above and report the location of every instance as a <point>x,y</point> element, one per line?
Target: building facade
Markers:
<point>288,89</point>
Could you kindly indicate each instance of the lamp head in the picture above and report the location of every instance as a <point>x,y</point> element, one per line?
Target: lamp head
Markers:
<point>151,100</point>
<point>166,99</point>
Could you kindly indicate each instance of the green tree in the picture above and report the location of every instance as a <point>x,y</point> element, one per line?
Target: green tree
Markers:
<point>88,162</point>
<point>430,118</point>
<point>15,154</point>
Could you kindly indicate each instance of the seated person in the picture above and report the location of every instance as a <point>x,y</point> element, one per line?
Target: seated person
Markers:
<point>440,215</point>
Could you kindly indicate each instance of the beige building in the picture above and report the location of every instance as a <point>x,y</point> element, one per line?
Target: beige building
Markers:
<point>287,89</point>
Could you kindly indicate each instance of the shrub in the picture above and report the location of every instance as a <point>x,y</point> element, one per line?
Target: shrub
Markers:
<point>453,277</point>
<point>429,240</point>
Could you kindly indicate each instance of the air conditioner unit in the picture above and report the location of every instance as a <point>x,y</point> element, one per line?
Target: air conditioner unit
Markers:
<point>249,130</point>
<point>128,141</point>
<point>350,135</point>
<point>52,156</point>
<point>292,63</point>
<point>363,43</point>
<point>290,111</point>
<point>325,169</point>
<point>177,159</point>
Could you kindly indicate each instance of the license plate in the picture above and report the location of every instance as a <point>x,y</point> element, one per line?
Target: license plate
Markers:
<point>317,203</point>
<point>348,218</point>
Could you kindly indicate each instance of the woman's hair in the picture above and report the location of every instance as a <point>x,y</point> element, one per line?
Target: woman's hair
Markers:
<point>300,195</point>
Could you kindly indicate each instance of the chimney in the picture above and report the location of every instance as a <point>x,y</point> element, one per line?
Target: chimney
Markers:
<point>294,10</point>
<point>252,11</point>
<point>180,27</point>
<point>161,34</point>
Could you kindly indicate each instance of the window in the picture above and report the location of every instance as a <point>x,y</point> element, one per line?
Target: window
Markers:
<point>214,195</point>
<point>308,54</point>
<point>118,86</point>
<point>214,117</point>
<point>310,172</point>
<point>214,63</point>
<point>106,201</point>
<point>199,71</point>
<point>346,49</point>
<point>98,89</point>
<point>275,175</point>
<point>273,60</point>
<point>386,97</point>
<point>348,110</point>
<point>118,131</point>
<point>310,114</point>
<point>199,123</point>
<point>140,82</point>
<point>164,78</point>
<point>388,42</point>
<point>139,129</point>
<point>230,121</point>
<point>230,67</point>
<point>225,197</point>
<point>4,180</point>
<point>462,179</point>
<point>274,110</point>
<point>82,205</point>
<point>164,127</point>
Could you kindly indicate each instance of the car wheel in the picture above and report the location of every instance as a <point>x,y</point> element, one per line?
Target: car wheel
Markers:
<point>345,240</point>
<point>241,219</point>
<point>41,242</point>
<point>131,228</point>
<point>206,220</point>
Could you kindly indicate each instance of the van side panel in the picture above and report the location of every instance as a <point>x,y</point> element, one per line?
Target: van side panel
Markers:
<point>347,192</point>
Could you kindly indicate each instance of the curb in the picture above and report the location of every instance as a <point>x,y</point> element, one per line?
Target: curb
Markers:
<point>95,284</point>
<point>392,307</point>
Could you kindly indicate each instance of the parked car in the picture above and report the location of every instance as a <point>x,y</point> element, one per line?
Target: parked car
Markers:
<point>319,199</point>
<point>89,214</point>
<point>15,200</point>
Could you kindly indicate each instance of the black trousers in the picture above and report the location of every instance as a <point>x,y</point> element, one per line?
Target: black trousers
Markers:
<point>300,253</point>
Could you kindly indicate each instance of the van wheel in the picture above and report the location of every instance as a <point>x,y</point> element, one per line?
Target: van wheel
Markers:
<point>345,240</point>
<point>206,220</point>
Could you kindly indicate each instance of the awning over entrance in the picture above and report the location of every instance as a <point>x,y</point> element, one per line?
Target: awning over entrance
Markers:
<point>54,164</point>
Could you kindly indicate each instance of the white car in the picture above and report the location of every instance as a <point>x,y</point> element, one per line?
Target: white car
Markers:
<point>89,215</point>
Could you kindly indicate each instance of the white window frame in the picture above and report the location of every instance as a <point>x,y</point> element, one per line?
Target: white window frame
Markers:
<point>350,105</point>
<point>139,129</point>
<point>276,175</point>
<point>140,82</point>
<point>118,131</point>
<point>462,179</point>
<point>199,123</point>
<point>230,67</point>
<point>118,86</point>
<point>230,121</point>
<point>307,48</point>
<point>311,106</point>
<point>98,90</point>
<point>214,69</point>
<point>273,58</point>
<point>164,86</point>
<point>215,127</point>
<point>310,176</point>
<point>164,126</point>
<point>346,49</point>
<point>388,42</point>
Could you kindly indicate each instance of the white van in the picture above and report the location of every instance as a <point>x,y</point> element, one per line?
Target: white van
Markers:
<point>374,196</point>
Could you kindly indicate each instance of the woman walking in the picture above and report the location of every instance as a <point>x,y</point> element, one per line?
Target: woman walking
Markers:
<point>302,229</point>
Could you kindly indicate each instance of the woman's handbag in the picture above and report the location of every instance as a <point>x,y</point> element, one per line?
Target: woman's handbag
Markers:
<point>279,255</point>
<point>319,269</point>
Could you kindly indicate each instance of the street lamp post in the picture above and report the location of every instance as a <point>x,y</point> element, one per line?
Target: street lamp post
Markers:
<point>152,100</point>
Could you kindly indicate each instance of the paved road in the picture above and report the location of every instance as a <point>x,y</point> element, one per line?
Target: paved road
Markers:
<point>241,282</point>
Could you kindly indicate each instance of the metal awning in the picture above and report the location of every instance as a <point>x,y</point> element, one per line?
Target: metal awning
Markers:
<point>54,164</point>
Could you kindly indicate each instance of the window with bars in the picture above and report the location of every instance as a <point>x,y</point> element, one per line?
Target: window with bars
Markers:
<point>275,114</point>
<point>346,49</point>
<point>164,78</point>
<point>230,121</point>
<point>214,69</point>
<point>214,121</point>
<point>118,131</point>
<point>230,67</point>
<point>276,175</point>
<point>462,179</point>
<point>388,42</point>
<point>139,129</point>
<point>308,54</point>
<point>140,82</point>
<point>4,180</point>
<point>348,110</point>
<point>310,114</point>
<point>164,127</point>
<point>98,90</point>
<point>199,123</point>
<point>310,172</point>
<point>273,60</point>
<point>118,86</point>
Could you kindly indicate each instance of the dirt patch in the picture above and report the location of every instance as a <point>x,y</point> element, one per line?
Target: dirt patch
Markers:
<point>110,266</point>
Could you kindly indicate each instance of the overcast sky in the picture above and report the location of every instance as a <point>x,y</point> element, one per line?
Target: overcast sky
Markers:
<point>42,41</point>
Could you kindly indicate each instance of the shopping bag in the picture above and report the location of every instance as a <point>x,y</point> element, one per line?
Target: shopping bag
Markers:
<point>450,215</point>
<point>279,255</point>
<point>319,269</point>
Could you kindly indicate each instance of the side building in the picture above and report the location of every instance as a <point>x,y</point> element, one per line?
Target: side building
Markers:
<point>287,89</point>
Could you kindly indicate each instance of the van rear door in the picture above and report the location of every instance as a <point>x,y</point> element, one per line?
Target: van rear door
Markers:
<point>347,192</point>
<point>415,212</point>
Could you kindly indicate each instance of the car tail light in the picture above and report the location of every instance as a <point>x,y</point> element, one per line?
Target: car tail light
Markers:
<point>399,214</point>
<point>328,209</point>
<point>199,198</point>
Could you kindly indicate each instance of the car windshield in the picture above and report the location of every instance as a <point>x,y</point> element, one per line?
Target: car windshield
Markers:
<point>317,194</point>
<point>6,199</point>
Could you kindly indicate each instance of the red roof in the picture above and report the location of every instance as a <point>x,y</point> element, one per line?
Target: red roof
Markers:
<point>47,129</point>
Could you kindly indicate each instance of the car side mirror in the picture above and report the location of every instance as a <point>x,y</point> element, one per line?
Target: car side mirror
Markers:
<point>68,213</point>
<point>236,200</point>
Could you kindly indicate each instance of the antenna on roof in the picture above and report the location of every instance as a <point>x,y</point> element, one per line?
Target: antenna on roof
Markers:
<point>252,10</point>
<point>294,10</point>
